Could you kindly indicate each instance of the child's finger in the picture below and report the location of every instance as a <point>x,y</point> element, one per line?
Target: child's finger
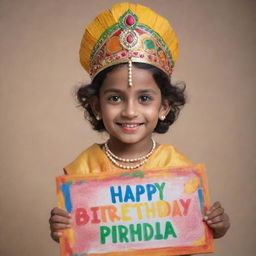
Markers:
<point>56,236</point>
<point>219,222</point>
<point>60,219</point>
<point>58,211</point>
<point>216,205</point>
<point>215,213</point>
<point>217,225</point>
<point>58,226</point>
<point>215,220</point>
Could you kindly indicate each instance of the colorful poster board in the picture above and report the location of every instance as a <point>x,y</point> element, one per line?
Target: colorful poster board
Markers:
<point>156,212</point>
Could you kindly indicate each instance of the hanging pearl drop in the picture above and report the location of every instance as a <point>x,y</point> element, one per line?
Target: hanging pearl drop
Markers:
<point>130,73</point>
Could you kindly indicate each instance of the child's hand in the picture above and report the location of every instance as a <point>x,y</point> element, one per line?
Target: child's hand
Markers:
<point>59,219</point>
<point>217,220</point>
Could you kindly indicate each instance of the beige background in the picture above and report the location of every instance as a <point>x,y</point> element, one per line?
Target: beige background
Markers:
<point>42,130</point>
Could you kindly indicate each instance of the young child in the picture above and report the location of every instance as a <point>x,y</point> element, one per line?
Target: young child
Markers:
<point>129,52</point>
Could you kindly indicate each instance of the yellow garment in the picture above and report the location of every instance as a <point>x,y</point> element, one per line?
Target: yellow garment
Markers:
<point>94,160</point>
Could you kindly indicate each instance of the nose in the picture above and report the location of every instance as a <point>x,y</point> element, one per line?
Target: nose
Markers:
<point>130,110</point>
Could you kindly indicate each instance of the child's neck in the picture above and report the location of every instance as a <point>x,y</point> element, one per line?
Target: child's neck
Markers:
<point>130,150</point>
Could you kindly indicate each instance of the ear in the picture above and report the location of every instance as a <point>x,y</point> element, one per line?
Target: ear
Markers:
<point>95,105</point>
<point>164,109</point>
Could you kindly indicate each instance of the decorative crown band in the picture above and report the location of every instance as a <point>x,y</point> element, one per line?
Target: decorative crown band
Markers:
<point>129,39</point>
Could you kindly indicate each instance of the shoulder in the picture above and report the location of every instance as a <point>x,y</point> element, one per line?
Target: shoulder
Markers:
<point>178,158</point>
<point>83,163</point>
<point>169,149</point>
<point>167,156</point>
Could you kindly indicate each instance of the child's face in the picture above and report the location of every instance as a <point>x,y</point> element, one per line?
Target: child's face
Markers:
<point>130,113</point>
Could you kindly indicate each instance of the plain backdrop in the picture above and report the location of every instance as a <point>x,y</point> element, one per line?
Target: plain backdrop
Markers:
<point>42,129</point>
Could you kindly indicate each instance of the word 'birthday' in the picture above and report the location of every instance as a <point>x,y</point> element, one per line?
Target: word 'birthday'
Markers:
<point>129,212</point>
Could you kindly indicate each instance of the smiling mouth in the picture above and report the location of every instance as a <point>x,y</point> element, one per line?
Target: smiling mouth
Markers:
<point>129,125</point>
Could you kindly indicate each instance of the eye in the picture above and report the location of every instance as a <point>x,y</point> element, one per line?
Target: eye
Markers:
<point>114,98</point>
<point>145,98</point>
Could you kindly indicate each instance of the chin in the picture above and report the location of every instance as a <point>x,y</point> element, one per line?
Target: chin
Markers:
<point>131,139</point>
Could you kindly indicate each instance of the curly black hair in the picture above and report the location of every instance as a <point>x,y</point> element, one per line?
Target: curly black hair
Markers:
<point>173,93</point>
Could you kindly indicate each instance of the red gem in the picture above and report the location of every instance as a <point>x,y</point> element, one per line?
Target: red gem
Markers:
<point>129,20</point>
<point>136,53</point>
<point>129,38</point>
<point>123,54</point>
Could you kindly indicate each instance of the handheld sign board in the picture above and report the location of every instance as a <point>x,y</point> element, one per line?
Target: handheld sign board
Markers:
<point>136,213</point>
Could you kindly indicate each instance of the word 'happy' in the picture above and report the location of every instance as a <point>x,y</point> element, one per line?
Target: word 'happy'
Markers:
<point>135,196</point>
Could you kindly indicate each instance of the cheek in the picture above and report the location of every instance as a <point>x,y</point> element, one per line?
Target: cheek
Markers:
<point>153,111</point>
<point>152,115</point>
<point>109,113</point>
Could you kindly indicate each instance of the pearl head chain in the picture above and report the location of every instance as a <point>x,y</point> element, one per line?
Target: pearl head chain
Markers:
<point>130,73</point>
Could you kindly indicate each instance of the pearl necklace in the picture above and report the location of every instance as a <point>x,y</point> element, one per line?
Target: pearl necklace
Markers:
<point>113,158</point>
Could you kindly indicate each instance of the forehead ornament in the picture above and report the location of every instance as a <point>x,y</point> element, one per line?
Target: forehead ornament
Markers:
<point>129,39</point>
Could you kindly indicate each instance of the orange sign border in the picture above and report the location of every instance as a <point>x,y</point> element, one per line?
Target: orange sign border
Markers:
<point>68,234</point>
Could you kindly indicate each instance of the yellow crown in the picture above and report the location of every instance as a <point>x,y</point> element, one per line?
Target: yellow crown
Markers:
<point>128,32</point>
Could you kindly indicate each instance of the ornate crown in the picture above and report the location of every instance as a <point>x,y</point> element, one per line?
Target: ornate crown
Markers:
<point>128,33</point>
